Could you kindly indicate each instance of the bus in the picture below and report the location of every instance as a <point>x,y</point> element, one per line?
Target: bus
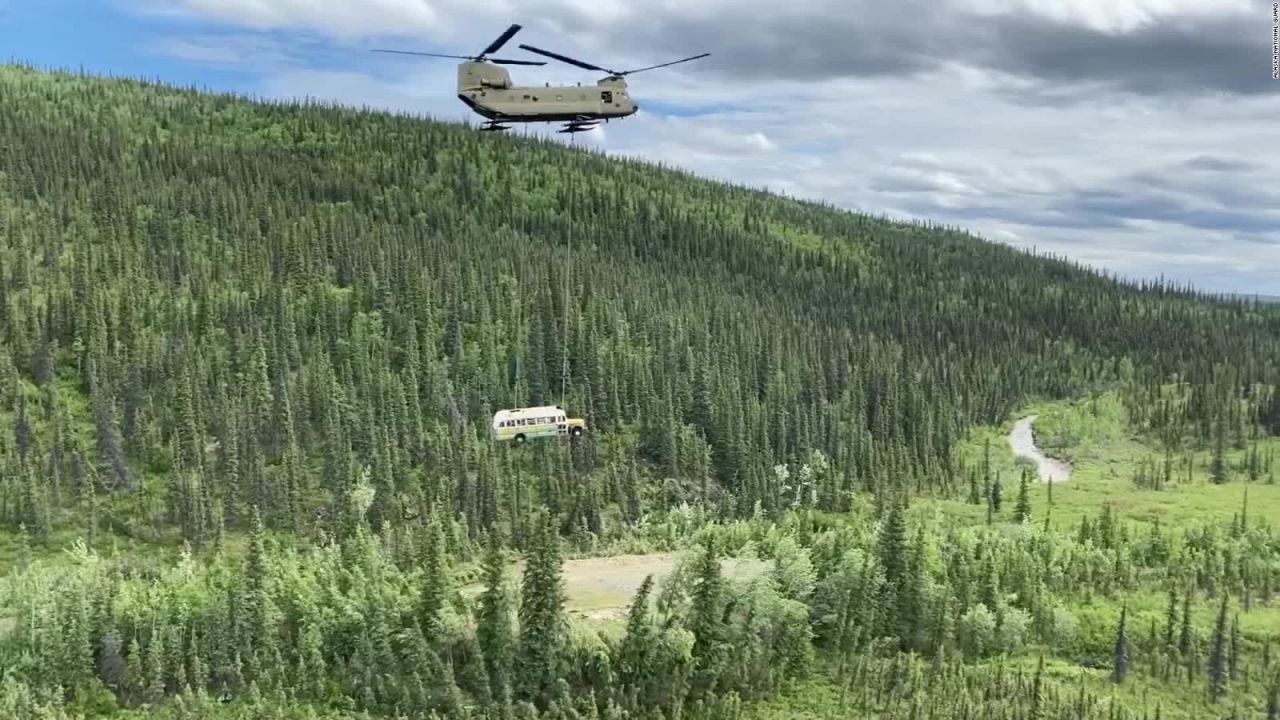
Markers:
<point>522,424</point>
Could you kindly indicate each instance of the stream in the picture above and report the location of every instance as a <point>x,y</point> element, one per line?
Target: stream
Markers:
<point>1023,444</point>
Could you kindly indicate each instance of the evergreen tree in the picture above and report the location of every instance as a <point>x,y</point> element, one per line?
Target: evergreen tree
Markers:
<point>494,630</point>
<point>1022,511</point>
<point>635,653</point>
<point>1218,669</point>
<point>435,578</point>
<point>1218,465</point>
<point>254,599</point>
<point>1120,653</point>
<point>542,621</point>
<point>707,623</point>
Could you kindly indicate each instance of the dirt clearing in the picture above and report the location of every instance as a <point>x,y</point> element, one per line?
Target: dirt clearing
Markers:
<point>601,588</point>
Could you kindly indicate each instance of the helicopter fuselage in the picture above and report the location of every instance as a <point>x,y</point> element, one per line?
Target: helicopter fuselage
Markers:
<point>487,89</point>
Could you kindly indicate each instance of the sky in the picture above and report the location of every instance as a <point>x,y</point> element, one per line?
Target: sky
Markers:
<point>1141,137</point>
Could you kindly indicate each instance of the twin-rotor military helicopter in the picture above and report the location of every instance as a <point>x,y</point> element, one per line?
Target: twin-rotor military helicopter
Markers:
<point>487,89</point>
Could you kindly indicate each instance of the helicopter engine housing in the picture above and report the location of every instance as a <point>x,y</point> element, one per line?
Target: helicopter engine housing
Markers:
<point>482,75</point>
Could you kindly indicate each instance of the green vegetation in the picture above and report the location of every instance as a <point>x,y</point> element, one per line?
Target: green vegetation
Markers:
<point>1118,465</point>
<point>249,353</point>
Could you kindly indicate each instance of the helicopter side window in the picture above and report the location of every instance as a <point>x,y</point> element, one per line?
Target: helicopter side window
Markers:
<point>607,96</point>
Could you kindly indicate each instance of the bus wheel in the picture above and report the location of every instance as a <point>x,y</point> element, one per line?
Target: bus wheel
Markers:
<point>575,432</point>
<point>519,439</point>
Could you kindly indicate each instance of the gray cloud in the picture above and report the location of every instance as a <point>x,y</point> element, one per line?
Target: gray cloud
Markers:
<point>1065,58</point>
<point>1169,56</point>
<point>1220,164</point>
<point>1142,205</point>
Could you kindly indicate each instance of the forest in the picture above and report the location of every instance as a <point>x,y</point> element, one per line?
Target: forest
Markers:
<point>249,354</point>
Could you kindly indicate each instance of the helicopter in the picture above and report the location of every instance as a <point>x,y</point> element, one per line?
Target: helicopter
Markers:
<point>487,89</point>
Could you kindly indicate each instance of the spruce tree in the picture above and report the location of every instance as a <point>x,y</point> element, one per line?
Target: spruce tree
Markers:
<point>1022,511</point>
<point>435,579</point>
<point>1218,465</point>
<point>1171,618</point>
<point>634,653</point>
<point>542,620</point>
<point>1187,632</point>
<point>1218,655</point>
<point>891,547</point>
<point>1233,657</point>
<point>706,622</point>
<point>1120,652</point>
<point>493,625</point>
<point>254,598</point>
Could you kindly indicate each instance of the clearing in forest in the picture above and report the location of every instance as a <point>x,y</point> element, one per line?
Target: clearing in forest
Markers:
<point>601,588</point>
<point>1111,465</point>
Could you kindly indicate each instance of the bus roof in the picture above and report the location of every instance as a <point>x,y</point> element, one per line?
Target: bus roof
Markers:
<point>521,412</point>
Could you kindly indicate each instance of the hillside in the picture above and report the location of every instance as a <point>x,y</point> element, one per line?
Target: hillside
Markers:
<point>217,312</point>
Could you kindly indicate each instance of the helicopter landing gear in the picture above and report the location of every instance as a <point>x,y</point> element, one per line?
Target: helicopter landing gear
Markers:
<point>494,126</point>
<point>578,126</point>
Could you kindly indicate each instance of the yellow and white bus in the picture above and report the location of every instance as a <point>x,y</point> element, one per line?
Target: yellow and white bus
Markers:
<point>523,424</point>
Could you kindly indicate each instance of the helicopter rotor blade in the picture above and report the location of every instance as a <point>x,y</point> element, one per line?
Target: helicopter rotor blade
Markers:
<point>562,58</point>
<point>655,67</point>
<point>427,54</point>
<point>496,61</point>
<point>502,40</point>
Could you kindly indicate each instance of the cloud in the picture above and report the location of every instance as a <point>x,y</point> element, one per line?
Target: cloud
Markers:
<point>227,51</point>
<point>1140,46</point>
<point>1219,164</point>
<point>1170,55</point>
<point>344,20</point>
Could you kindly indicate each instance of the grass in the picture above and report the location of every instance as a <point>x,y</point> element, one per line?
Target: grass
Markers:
<point>1093,435</point>
<point>602,588</point>
<point>817,697</point>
